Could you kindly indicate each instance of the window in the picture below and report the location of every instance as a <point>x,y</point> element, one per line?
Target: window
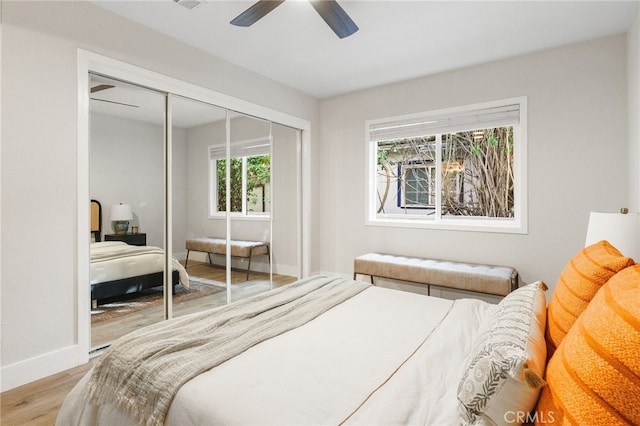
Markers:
<point>249,177</point>
<point>460,168</point>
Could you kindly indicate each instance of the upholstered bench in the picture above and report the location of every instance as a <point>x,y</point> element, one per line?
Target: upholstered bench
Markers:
<point>239,248</point>
<point>496,280</point>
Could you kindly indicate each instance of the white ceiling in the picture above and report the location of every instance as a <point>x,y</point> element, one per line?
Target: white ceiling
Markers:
<point>397,40</point>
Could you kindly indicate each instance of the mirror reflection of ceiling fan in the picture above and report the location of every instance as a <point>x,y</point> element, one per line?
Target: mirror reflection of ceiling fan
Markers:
<point>332,13</point>
<point>102,87</point>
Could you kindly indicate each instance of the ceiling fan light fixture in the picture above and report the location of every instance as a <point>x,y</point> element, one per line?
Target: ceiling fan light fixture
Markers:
<point>189,4</point>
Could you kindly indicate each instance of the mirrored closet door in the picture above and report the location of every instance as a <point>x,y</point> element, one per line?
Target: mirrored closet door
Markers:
<point>198,237</point>
<point>127,141</point>
<point>212,195</point>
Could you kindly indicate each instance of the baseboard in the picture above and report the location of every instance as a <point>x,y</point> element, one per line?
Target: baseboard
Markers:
<point>32,369</point>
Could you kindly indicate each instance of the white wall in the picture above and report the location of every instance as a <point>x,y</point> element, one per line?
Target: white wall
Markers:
<point>40,41</point>
<point>577,158</point>
<point>127,166</point>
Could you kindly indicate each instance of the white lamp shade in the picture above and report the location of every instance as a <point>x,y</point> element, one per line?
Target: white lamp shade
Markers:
<point>622,230</point>
<point>121,212</point>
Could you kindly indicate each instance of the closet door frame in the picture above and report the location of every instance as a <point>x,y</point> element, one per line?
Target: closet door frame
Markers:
<point>90,62</point>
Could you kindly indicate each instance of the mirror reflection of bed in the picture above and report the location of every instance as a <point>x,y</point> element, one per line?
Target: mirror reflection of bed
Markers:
<point>127,285</point>
<point>125,279</point>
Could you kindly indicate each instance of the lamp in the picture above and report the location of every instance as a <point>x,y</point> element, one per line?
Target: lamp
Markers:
<point>120,217</point>
<point>621,229</point>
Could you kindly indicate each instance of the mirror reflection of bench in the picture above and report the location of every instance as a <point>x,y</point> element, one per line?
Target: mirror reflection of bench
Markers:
<point>239,249</point>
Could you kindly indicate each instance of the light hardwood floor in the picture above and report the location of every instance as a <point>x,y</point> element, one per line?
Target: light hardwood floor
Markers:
<point>38,403</point>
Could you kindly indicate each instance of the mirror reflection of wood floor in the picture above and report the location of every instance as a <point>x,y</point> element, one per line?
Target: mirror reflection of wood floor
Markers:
<point>104,332</point>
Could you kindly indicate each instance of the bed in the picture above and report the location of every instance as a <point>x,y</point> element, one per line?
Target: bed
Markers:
<point>117,268</point>
<point>377,356</point>
<point>330,350</point>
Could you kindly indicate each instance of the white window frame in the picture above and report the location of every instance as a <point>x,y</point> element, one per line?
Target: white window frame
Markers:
<point>516,225</point>
<point>256,149</point>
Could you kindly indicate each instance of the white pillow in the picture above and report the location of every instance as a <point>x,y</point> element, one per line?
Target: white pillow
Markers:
<point>502,380</point>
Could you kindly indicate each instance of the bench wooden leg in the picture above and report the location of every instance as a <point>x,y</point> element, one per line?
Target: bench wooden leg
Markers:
<point>186,261</point>
<point>251,257</point>
<point>268,254</point>
<point>249,265</point>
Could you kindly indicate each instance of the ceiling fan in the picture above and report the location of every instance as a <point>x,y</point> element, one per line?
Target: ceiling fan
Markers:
<point>332,13</point>
<point>102,87</point>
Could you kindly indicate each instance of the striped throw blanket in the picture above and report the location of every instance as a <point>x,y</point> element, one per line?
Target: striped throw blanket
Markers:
<point>142,371</point>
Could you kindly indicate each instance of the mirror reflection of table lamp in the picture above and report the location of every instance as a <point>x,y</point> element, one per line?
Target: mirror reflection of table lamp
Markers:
<point>621,229</point>
<point>121,215</point>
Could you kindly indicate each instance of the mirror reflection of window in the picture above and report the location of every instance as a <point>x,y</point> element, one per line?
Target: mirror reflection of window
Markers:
<point>250,178</point>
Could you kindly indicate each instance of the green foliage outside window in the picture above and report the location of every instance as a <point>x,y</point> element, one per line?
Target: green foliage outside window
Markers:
<point>258,174</point>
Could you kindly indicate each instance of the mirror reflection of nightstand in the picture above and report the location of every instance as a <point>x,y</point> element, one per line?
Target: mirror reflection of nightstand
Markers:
<point>131,239</point>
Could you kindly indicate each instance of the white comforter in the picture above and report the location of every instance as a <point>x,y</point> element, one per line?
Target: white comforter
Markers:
<point>381,357</point>
<point>115,260</point>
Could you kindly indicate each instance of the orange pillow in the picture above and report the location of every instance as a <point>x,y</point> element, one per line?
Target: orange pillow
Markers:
<point>583,276</point>
<point>594,376</point>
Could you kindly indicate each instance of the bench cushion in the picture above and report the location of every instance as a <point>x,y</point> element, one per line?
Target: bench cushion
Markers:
<point>464,276</point>
<point>219,246</point>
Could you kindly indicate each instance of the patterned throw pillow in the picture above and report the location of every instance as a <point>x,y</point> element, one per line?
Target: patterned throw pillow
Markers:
<point>505,368</point>
<point>580,280</point>
<point>594,376</point>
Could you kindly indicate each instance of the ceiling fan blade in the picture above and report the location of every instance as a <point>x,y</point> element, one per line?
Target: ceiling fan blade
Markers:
<point>256,12</point>
<point>100,87</point>
<point>335,16</point>
<point>114,102</point>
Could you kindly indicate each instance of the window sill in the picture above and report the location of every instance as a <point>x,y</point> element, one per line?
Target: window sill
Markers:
<point>507,226</point>
<point>255,218</point>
